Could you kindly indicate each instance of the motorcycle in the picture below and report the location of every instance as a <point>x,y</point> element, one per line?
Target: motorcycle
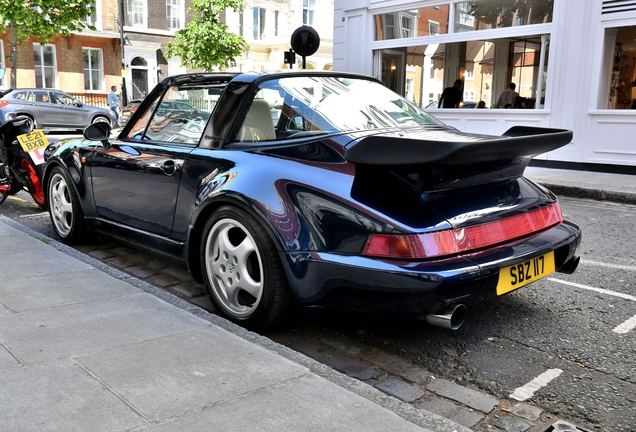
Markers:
<point>18,171</point>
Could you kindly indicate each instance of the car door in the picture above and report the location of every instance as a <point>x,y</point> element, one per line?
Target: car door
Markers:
<point>136,180</point>
<point>70,114</point>
<point>44,110</point>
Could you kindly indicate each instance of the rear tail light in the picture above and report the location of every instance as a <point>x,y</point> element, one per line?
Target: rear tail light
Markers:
<point>3,103</point>
<point>461,240</point>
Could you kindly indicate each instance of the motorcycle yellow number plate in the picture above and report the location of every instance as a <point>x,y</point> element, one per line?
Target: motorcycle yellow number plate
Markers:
<point>32,141</point>
<point>523,273</point>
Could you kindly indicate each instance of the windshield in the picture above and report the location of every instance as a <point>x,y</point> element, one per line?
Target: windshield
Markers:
<point>294,107</point>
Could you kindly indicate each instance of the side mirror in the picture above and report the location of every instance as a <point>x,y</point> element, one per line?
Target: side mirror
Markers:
<point>98,132</point>
<point>78,104</point>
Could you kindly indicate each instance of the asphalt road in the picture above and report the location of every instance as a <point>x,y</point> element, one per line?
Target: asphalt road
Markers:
<point>565,345</point>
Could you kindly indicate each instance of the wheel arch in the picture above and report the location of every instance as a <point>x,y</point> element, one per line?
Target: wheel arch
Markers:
<point>195,233</point>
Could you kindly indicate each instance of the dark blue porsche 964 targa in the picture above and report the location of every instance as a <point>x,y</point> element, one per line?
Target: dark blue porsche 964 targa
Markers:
<point>317,189</point>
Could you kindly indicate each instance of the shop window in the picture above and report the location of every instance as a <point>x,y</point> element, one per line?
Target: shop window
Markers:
<point>618,86</point>
<point>93,69</point>
<point>45,65</point>
<point>412,23</point>
<point>486,68</point>
<point>2,65</point>
<point>490,14</point>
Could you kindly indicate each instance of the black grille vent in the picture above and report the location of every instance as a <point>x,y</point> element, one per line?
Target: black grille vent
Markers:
<point>615,6</point>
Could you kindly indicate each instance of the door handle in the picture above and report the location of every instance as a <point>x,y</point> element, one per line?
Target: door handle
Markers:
<point>170,167</point>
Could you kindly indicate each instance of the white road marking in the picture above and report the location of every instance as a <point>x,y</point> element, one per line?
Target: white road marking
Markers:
<point>623,328</point>
<point>626,326</point>
<point>608,265</point>
<point>527,391</point>
<point>598,290</point>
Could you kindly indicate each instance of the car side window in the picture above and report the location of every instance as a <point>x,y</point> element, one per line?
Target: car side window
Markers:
<point>180,117</point>
<point>63,99</point>
<point>22,96</point>
<point>41,96</point>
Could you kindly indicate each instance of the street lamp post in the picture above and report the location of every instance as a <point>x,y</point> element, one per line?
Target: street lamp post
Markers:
<point>122,42</point>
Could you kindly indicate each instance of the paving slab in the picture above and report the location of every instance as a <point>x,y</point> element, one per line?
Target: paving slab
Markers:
<point>45,334</point>
<point>18,243</point>
<point>64,289</point>
<point>270,409</point>
<point>7,360</point>
<point>449,410</point>
<point>6,230</point>
<point>174,375</point>
<point>60,396</point>
<point>400,389</point>
<point>39,263</point>
<point>468,397</point>
<point>398,366</point>
<point>512,424</point>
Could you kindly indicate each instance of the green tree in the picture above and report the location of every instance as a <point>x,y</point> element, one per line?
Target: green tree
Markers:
<point>41,19</point>
<point>205,42</point>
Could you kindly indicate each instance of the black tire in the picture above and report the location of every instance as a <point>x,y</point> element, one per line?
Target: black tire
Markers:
<point>34,124</point>
<point>242,271</point>
<point>66,212</point>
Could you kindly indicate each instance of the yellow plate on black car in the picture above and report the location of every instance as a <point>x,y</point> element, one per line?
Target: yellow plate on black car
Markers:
<point>523,273</point>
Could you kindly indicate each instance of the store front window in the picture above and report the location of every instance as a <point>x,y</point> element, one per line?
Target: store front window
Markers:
<point>466,16</point>
<point>486,68</point>
<point>618,82</point>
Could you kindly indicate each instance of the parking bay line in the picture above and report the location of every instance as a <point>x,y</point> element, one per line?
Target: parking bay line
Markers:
<point>527,391</point>
<point>623,328</point>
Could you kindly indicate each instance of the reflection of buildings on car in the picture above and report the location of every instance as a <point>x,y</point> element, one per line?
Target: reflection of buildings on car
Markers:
<point>418,51</point>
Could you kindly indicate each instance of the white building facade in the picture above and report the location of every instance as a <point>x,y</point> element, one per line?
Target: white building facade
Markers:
<point>267,26</point>
<point>573,62</point>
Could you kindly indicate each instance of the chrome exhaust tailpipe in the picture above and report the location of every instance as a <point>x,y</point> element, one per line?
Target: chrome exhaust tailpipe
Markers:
<point>570,266</point>
<point>452,317</point>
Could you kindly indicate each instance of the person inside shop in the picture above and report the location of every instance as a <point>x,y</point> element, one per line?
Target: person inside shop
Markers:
<point>480,104</point>
<point>508,97</point>
<point>451,96</point>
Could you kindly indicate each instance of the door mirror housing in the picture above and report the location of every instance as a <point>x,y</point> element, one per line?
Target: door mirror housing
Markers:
<point>98,132</point>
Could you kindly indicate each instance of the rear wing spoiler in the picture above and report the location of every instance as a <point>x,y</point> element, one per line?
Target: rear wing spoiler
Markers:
<point>451,148</point>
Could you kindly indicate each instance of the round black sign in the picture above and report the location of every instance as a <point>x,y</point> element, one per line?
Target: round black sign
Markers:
<point>305,41</point>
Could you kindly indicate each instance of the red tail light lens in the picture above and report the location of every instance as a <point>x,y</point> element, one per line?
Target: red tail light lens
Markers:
<point>455,241</point>
<point>4,103</point>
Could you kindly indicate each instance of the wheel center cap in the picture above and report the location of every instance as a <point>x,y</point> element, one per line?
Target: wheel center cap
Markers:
<point>230,267</point>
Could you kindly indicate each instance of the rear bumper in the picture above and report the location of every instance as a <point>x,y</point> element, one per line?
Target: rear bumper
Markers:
<point>324,280</point>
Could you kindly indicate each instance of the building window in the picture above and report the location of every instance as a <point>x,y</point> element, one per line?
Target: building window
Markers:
<point>433,27</point>
<point>469,75</point>
<point>241,25</point>
<point>91,19</point>
<point>276,14</point>
<point>618,79</point>
<point>93,69</point>
<point>308,12</point>
<point>259,23</point>
<point>45,65</point>
<point>408,25</point>
<point>174,14</point>
<point>409,89</point>
<point>137,13</point>
<point>488,14</point>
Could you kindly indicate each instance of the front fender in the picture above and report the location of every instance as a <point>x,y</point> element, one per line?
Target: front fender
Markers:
<point>71,155</point>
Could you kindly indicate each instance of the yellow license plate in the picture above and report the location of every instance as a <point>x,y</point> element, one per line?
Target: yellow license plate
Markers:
<point>32,141</point>
<point>518,275</point>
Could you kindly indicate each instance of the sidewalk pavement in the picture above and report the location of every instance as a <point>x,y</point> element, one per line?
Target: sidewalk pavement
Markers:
<point>86,347</point>
<point>586,184</point>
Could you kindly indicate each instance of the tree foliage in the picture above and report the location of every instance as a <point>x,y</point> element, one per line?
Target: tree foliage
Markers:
<point>205,42</point>
<point>42,19</point>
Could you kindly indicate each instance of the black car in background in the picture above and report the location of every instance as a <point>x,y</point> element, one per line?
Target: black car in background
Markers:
<point>318,189</point>
<point>52,109</point>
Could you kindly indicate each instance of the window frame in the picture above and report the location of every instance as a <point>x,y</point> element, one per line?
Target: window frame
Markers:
<point>175,7</point>
<point>100,70</point>
<point>53,67</point>
<point>309,12</point>
<point>135,9</point>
